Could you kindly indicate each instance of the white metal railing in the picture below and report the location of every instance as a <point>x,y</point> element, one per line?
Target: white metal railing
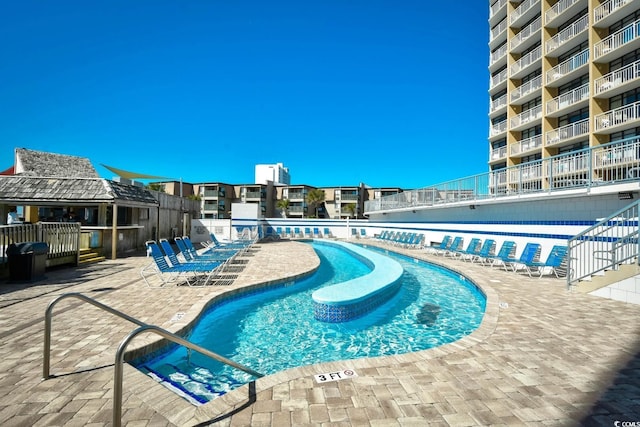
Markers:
<point>522,9</point>
<point>605,164</point>
<point>526,88</point>
<point>567,132</point>
<point>498,29</point>
<point>607,8</point>
<point>499,128</point>
<point>501,77</point>
<point>568,99</point>
<point>618,116</point>
<point>617,39</point>
<point>498,54</point>
<point>526,145</point>
<point>525,33</point>
<point>606,245</point>
<point>495,8</point>
<point>498,103</point>
<point>557,9</point>
<point>578,27</point>
<point>527,116</point>
<point>617,77</point>
<point>527,60</point>
<point>499,153</point>
<point>568,66</point>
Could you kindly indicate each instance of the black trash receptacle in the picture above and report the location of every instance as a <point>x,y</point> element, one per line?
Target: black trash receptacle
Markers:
<point>27,260</point>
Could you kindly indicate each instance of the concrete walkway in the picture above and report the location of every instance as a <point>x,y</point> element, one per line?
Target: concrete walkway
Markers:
<point>542,356</point>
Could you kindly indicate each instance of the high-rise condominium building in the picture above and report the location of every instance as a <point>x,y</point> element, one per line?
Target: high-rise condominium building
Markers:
<point>277,174</point>
<point>564,92</point>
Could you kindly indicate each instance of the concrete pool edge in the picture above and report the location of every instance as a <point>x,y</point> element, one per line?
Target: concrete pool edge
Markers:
<point>240,396</point>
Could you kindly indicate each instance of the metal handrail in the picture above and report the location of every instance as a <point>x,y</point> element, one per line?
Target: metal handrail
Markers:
<point>119,359</point>
<point>605,245</point>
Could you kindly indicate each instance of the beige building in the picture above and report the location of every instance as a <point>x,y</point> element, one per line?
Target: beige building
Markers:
<point>564,92</point>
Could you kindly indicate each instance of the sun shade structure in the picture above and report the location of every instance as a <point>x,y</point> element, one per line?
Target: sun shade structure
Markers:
<point>132,175</point>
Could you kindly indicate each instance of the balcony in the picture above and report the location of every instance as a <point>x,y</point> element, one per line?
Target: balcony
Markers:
<point>497,55</point>
<point>497,104</point>
<point>570,99</point>
<point>618,119</point>
<point>618,156</point>
<point>617,81</point>
<point>498,153</point>
<point>254,195</point>
<point>498,33</point>
<point>528,172</point>
<point>498,129</point>
<point>348,197</point>
<point>524,65</point>
<point>568,37</point>
<point>612,45</point>
<point>561,73</point>
<point>558,9</point>
<point>498,79</point>
<point>498,10</point>
<point>565,133</point>
<point>571,166</point>
<point>608,12</point>
<point>528,33</point>
<point>532,87</point>
<point>526,117</point>
<point>526,145</point>
<point>525,11</point>
<point>296,195</point>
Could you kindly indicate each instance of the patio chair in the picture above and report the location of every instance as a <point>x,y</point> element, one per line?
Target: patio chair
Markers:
<point>327,232</point>
<point>354,232</point>
<point>236,244</point>
<point>279,231</point>
<point>363,233</point>
<point>189,253</point>
<point>316,232</point>
<point>554,261</point>
<point>455,247</point>
<point>167,272</point>
<point>530,254</point>
<point>443,246</point>
<point>473,248</point>
<point>297,233</point>
<point>505,254</point>
<point>307,232</point>
<point>486,251</point>
<point>205,269</point>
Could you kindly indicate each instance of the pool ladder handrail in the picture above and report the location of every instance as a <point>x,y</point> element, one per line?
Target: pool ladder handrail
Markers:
<point>119,359</point>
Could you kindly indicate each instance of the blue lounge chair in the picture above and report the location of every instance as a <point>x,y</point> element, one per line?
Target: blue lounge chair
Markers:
<point>167,272</point>
<point>354,232</point>
<point>197,265</point>
<point>473,248</point>
<point>444,245</point>
<point>327,232</point>
<point>554,261</point>
<point>236,244</point>
<point>279,231</point>
<point>505,254</point>
<point>307,232</point>
<point>531,253</point>
<point>363,233</point>
<point>297,232</point>
<point>316,232</point>
<point>455,247</point>
<point>189,253</point>
<point>487,251</point>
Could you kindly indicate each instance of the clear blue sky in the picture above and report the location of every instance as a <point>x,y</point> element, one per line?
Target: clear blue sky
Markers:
<point>389,93</point>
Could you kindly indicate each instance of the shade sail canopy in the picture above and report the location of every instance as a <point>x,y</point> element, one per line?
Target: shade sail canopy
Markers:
<point>132,175</point>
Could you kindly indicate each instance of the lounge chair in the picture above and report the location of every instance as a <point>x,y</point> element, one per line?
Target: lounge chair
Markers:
<point>487,251</point>
<point>316,232</point>
<point>279,231</point>
<point>236,244</point>
<point>189,253</point>
<point>363,233</point>
<point>307,232</point>
<point>455,247</point>
<point>354,232</point>
<point>554,261</point>
<point>473,248</point>
<point>168,272</point>
<point>201,265</point>
<point>505,254</point>
<point>327,232</point>
<point>297,232</point>
<point>530,254</point>
<point>443,246</point>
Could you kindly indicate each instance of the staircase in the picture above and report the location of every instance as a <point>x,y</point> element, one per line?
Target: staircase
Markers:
<point>607,252</point>
<point>88,256</point>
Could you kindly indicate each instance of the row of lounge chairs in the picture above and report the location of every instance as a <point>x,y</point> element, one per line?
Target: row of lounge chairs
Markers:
<point>300,233</point>
<point>484,253</point>
<point>188,265</point>
<point>402,239</point>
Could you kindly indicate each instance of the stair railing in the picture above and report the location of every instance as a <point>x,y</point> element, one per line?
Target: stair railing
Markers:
<point>119,359</point>
<point>605,245</point>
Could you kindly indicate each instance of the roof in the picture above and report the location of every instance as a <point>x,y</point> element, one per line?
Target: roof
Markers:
<point>40,163</point>
<point>31,190</point>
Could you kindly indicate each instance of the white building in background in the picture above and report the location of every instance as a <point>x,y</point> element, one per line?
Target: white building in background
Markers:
<point>277,174</point>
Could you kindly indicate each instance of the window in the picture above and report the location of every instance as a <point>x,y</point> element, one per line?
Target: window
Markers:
<point>629,133</point>
<point>629,97</point>
<point>574,116</point>
<point>531,132</point>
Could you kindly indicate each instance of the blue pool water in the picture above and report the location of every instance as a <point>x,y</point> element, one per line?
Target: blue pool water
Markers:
<point>274,330</point>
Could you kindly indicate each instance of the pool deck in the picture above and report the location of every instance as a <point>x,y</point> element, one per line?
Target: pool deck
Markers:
<point>542,356</point>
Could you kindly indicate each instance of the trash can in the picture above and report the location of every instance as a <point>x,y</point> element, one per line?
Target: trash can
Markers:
<point>27,260</point>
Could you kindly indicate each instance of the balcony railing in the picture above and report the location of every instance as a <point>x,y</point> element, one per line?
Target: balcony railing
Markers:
<point>498,128</point>
<point>527,116</point>
<point>617,39</point>
<point>495,8</point>
<point>254,195</point>
<point>501,77</point>
<point>568,33</point>
<point>607,8</point>
<point>499,153</point>
<point>564,133</point>
<point>557,9</point>
<point>568,99</point>
<point>522,9</point>
<point>568,66</point>
<point>528,31</point>
<point>498,103</point>
<point>618,116</point>
<point>526,88</point>
<point>498,29</point>
<point>498,54</point>
<point>296,195</point>
<point>350,197</point>
<point>610,163</point>
<point>527,60</point>
<point>527,144</point>
<point>617,77</point>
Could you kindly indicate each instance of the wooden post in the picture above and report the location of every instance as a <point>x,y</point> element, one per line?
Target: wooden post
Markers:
<point>114,232</point>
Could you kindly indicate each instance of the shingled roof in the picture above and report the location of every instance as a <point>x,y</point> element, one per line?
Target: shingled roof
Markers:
<point>40,163</point>
<point>29,190</point>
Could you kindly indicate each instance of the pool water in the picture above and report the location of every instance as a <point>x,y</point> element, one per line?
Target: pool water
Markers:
<point>275,329</point>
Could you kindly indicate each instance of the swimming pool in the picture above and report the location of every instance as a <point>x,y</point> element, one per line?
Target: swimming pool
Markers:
<point>274,330</point>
